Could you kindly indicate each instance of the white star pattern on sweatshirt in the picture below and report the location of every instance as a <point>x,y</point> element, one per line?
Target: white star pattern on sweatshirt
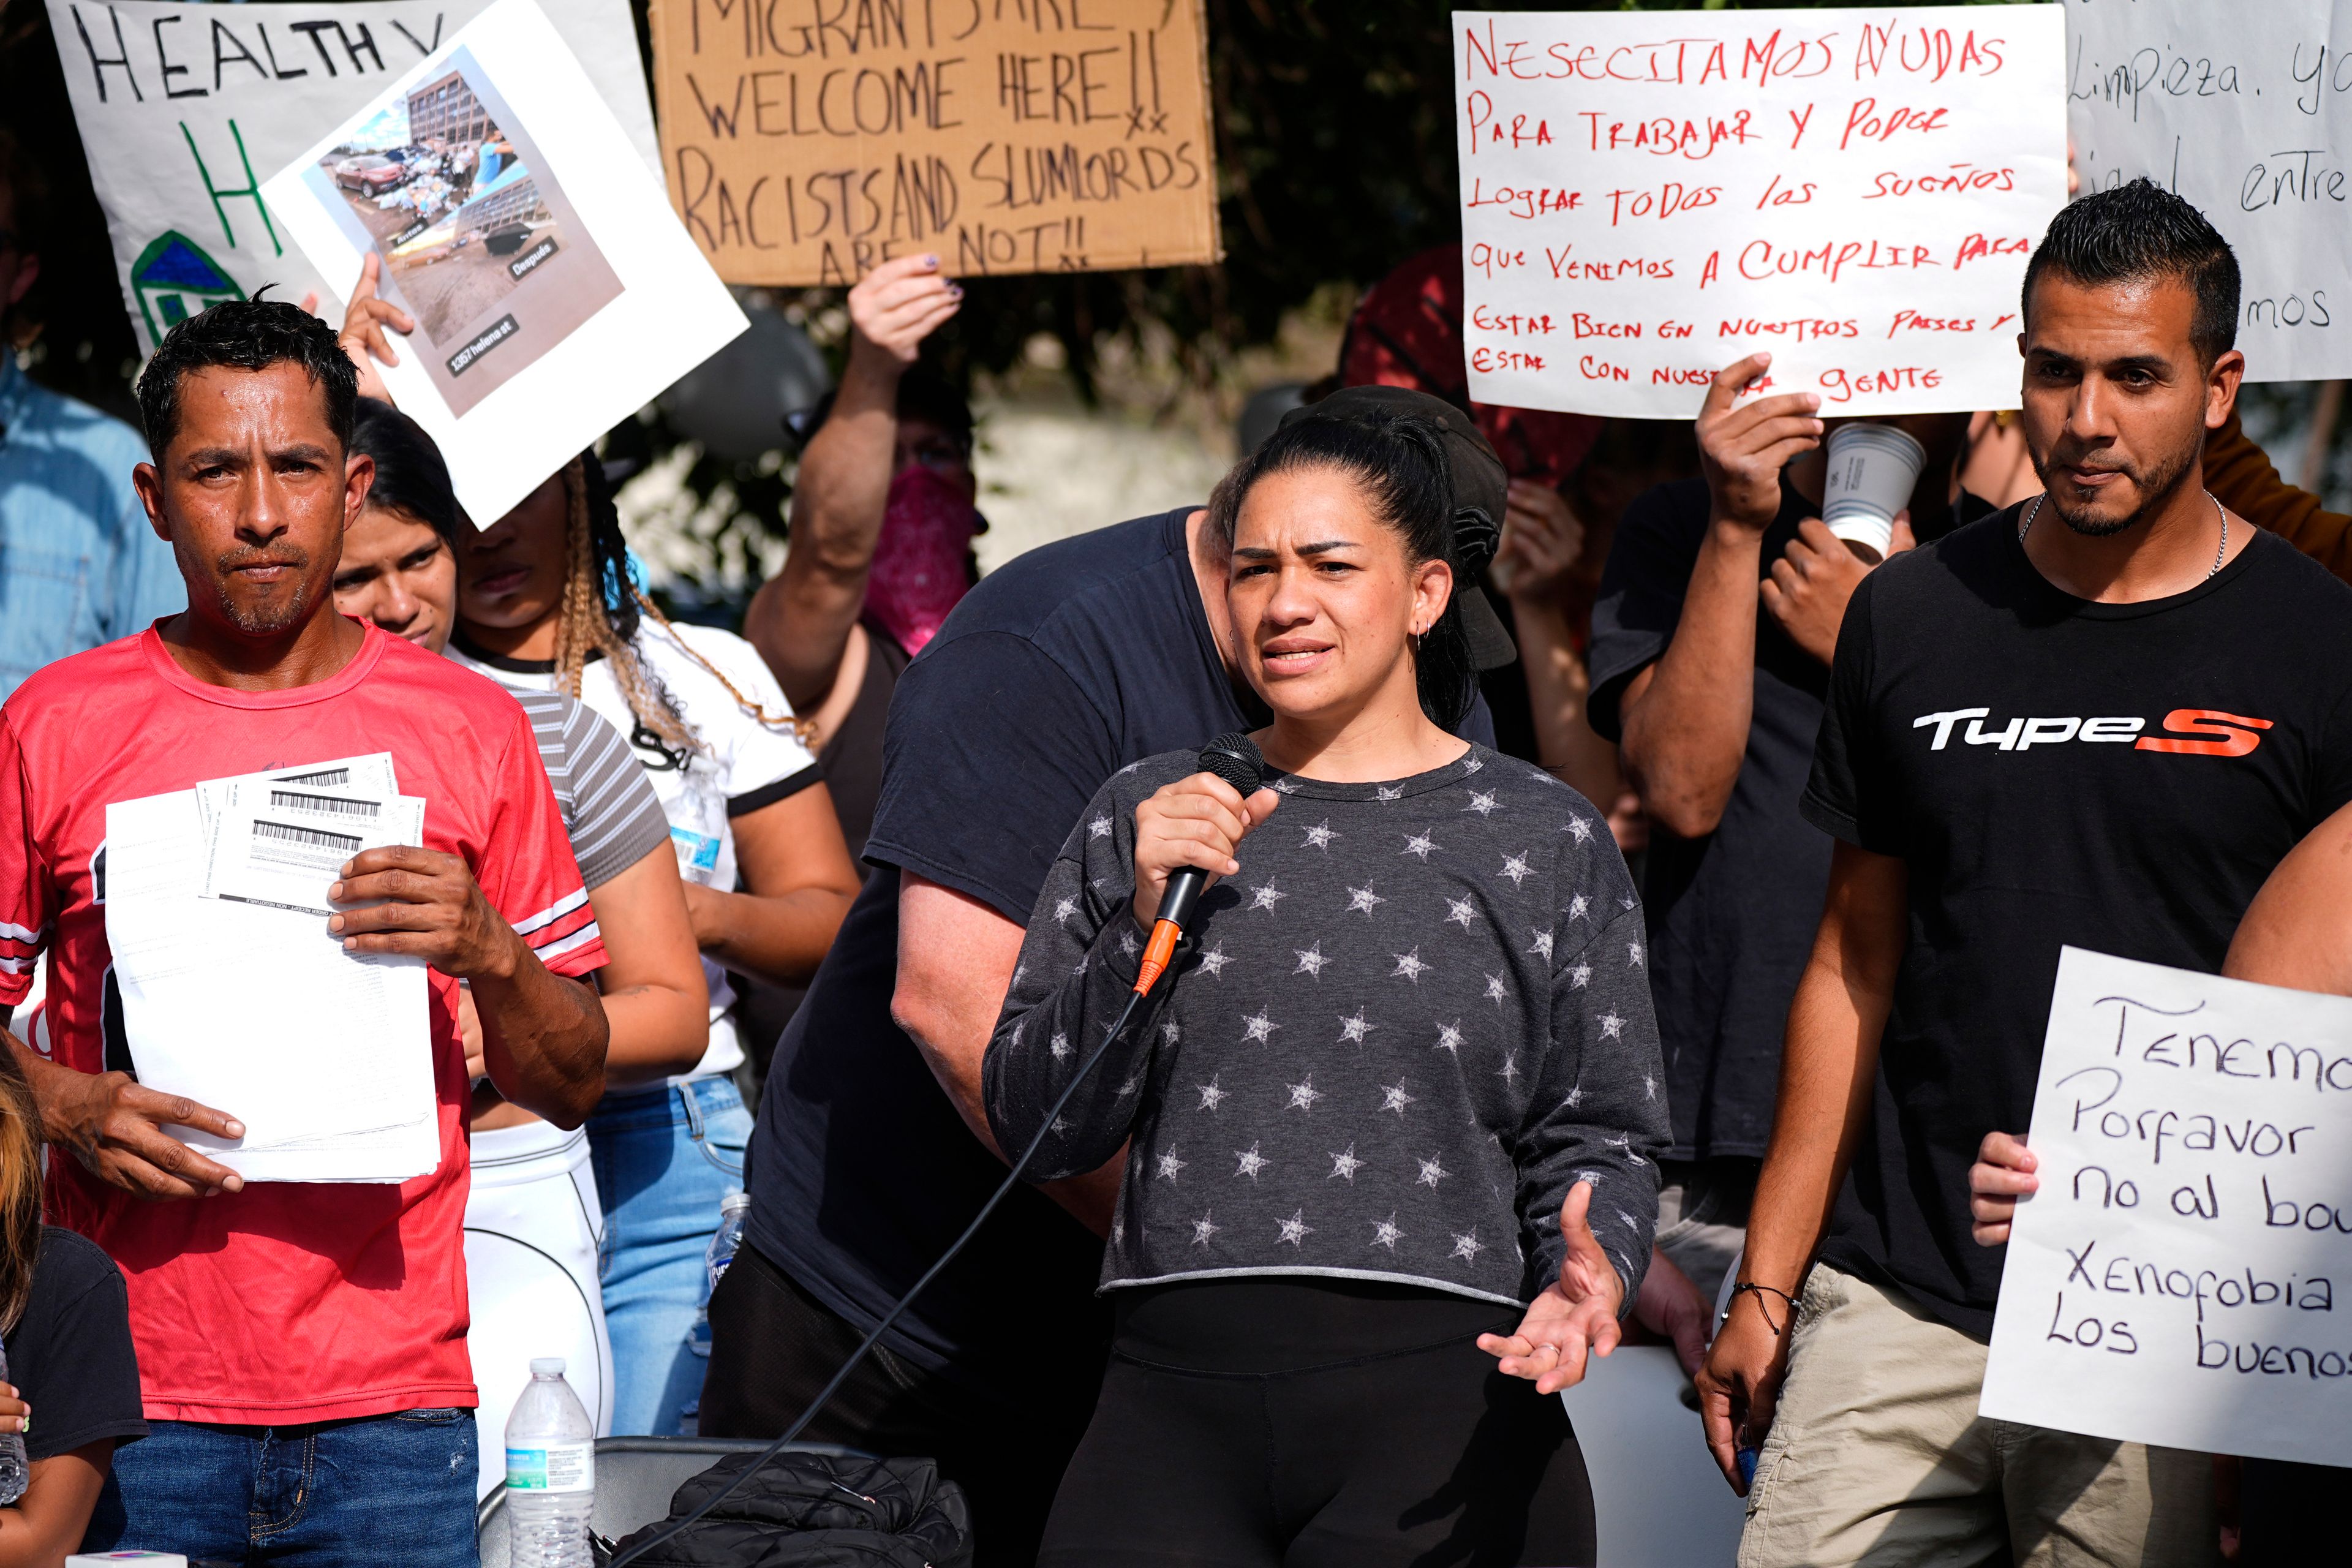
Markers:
<point>1418,845</point>
<point>1432,1173</point>
<point>1294,1229</point>
<point>1204,1227</point>
<point>1363,899</point>
<point>1385,1232</point>
<point>1251,1162</point>
<point>1634,953</point>
<point>1468,1246</point>
<point>1461,912</point>
<point>1171,1166</point>
<point>1577,906</point>
<point>1611,1026</point>
<point>1392,792</point>
<point>1310,960</point>
<point>1211,1095</point>
<point>1127,943</point>
<point>1509,1070</point>
<point>1064,907</point>
<point>1266,897</point>
<point>1580,976</point>
<point>1098,828</point>
<point>1346,1164</point>
<point>1449,1040</point>
<point>1214,958</point>
<point>1497,991</point>
<point>1470,764</point>
<point>1394,1097</point>
<point>1542,948</point>
<point>1319,837</point>
<point>1059,1045</point>
<point>1484,803</point>
<point>1408,966</point>
<point>1170,1032</point>
<point>1259,1027</point>
<point>1581,828</point>
<point>1353,1030</point>
<point>1515,868</point>
<point>1303,1096</point>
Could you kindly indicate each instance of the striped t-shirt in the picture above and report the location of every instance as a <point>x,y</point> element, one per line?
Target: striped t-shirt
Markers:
<point>610,812</point>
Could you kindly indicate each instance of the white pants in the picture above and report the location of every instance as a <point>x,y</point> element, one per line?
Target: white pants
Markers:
<point>532,1227</point>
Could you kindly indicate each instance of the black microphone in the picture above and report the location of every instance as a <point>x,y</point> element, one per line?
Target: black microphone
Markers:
<point>1234,758</point>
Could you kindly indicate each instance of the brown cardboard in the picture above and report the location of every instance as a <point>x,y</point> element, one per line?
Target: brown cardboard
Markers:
<point>805,140</point>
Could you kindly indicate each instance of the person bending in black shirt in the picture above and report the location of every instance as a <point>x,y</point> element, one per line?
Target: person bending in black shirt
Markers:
<point>2099,718</point>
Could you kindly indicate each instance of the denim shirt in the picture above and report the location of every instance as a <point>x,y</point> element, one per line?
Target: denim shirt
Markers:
<point>79,564</point>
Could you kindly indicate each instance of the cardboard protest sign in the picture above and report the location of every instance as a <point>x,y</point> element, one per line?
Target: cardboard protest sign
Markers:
<point>2174,1279</point>
<point>1647,198</point>
<point>184,108</point>
<point>554,294</point>
<point>807,139</point>
<point>2245,112</point>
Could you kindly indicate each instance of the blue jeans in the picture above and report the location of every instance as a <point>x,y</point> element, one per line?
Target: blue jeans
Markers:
<point>396,1491</point>
<point>666,1159</point>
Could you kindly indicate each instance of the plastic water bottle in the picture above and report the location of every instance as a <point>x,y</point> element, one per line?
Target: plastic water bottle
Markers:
<point>550,1471</point>
<point>13,1472</point>
<point>725,1242</point>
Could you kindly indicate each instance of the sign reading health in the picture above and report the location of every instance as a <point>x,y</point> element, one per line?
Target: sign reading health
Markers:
<point>1647,197</point>
<point>2173,1281</point>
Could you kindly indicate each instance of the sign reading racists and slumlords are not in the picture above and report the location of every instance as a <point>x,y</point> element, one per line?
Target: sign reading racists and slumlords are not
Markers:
<point>805,140</point>
<point>1647,198</point>
<point>186,108</point>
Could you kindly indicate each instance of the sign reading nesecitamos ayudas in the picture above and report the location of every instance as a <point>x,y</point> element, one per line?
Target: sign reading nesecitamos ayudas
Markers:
<point>1647,197</point>
<point>806,141</point>
<point>2184,1275</point>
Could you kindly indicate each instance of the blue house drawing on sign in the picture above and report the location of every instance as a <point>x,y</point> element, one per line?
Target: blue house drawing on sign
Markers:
<point>173,280</point>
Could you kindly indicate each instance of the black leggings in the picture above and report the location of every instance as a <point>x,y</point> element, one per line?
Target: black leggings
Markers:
<point>1285,1422</point>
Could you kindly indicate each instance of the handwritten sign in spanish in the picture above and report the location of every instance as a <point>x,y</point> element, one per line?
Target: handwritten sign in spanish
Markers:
<point>1646,198</point>
<point>2184,1275</point>
<point>186,108</point>
<point>2246,110</point>
<point>807,139</point>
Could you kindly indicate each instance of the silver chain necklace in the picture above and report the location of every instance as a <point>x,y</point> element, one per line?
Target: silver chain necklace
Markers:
<point>2219,555</point>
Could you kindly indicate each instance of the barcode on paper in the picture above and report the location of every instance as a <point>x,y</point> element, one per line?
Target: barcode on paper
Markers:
<point>307,838</point>
<point>325,778</point>
<point>324,805</point>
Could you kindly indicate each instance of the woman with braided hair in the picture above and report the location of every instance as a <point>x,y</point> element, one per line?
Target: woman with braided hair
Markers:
<point>545,602</point>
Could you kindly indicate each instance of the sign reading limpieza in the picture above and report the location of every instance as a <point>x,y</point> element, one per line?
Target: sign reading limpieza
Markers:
<point>805,140</point>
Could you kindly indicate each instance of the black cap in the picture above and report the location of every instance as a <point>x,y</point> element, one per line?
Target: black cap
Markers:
<point>1481,490</point>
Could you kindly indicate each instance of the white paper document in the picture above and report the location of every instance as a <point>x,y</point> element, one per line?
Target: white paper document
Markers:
<point>2245,110</point>
<point>252,1006</point>
<point>283,845</point>
<point>2184,1275</point>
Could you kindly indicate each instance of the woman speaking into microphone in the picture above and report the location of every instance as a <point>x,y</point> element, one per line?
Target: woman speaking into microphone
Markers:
<point>1390,1117</point>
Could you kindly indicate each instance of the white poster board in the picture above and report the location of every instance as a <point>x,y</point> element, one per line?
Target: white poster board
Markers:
<point>554,292</point>
<point>1648,197</point>
<point>2176,1280</point>
<point>2246,110</point>
<point>184,108</point>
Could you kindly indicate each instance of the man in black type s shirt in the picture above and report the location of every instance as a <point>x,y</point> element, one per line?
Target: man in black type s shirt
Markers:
<point>2099,718</point>
<point>1711,643</point>
<point>872,1150</point>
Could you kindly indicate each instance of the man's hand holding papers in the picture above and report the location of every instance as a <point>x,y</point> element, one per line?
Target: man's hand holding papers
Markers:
<point>115,1128</point>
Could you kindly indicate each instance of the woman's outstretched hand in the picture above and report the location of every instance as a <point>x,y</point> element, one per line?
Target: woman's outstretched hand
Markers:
<point>1575,1317</point>
<point>1197,821</point>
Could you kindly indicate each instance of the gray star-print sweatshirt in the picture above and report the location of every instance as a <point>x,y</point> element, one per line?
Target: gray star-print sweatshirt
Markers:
<point>1387,1049</point>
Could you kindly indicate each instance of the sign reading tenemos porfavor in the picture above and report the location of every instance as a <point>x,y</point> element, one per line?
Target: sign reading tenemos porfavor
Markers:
<point>2246,110</point>
<point>184,108</point>
<point>2184,1275</point>
<point>1646,198</point>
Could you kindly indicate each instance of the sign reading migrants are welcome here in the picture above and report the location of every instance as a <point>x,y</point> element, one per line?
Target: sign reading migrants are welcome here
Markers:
<point>1647,197</point>
<point>805,140</point>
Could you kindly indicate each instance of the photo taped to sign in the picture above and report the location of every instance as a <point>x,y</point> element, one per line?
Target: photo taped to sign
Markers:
<point>479,242</point>
<point>806,141</point>
<point>1646,200</point>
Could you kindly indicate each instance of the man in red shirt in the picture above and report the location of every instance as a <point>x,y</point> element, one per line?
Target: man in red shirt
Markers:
<point>301,1347</point>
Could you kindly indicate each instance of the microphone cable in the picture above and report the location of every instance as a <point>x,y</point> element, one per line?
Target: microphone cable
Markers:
<point>1232,757</point>
<point>1011,1180</point>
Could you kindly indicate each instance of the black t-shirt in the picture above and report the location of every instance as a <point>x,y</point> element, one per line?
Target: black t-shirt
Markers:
<point>1732,913</point>
<point>2053,772</point>
<point>1057,670</point>
<point>69,1354</point>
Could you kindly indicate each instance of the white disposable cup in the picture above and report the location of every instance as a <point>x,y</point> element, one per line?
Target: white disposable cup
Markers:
<point>1872,471</point>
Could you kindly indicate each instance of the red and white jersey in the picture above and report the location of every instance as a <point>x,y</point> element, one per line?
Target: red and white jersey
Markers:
<point>287,1302</point>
